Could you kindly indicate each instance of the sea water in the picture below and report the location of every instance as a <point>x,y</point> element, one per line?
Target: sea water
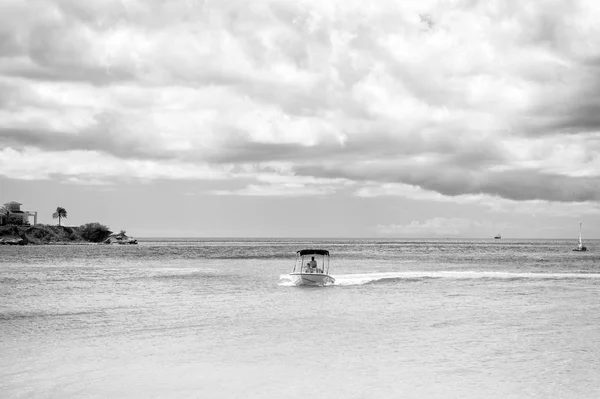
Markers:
<point>220,319</point>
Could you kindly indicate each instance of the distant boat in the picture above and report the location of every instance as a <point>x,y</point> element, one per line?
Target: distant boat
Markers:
<point>580,246</point>
<point>498,237</point>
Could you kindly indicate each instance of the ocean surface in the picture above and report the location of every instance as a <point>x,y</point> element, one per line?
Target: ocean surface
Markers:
<point>219,319</point>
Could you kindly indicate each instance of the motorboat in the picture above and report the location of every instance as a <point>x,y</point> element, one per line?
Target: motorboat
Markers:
<point>312,267</point>
<point>497,237</point>
<point>580,247</point>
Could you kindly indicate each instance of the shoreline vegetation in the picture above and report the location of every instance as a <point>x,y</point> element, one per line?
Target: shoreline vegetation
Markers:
<point>42,234</point>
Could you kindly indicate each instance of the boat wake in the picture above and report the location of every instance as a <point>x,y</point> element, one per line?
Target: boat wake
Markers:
<point>414,276</point>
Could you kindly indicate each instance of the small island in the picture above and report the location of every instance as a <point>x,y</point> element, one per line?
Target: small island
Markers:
<point>15,229</point>
<point>39,234</point>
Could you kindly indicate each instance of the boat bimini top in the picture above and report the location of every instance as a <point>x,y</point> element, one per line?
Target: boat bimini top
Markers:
<point>304,252</point>
<point>304,257</point>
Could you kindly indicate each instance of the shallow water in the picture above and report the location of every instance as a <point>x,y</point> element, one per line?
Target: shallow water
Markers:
<point>220,319</point>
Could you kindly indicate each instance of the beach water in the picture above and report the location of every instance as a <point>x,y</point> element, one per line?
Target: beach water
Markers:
<point>219,319</point>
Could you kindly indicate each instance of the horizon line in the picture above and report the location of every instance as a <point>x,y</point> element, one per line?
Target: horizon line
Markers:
<point>348,238</point>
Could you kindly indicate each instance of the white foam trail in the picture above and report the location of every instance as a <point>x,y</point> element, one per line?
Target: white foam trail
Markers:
<point>359,279</point>
<point>365,278</point>
<point>286,280</point>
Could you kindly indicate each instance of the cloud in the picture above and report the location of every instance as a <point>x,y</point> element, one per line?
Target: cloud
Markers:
<point>97,168</point>
<point>490,203</point>
<point>283,190</point>
<point>459,98</point>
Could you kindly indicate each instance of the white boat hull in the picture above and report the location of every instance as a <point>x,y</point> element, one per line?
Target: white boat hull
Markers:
<point>312,278</point>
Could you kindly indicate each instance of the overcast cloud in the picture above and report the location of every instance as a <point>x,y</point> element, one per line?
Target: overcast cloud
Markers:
<point>458,98</point>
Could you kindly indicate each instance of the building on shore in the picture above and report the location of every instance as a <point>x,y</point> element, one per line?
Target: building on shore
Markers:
<point>11,213</point>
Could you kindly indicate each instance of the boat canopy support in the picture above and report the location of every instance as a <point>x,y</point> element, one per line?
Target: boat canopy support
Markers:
<point>305,255</point>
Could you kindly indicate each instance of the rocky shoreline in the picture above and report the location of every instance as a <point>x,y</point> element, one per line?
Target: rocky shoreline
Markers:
<point>120,238</point>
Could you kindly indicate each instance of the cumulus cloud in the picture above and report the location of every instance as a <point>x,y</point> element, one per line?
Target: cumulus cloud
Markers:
<point>458,98</point>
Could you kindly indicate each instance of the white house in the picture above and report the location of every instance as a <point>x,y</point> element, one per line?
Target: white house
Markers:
<point>11,213</point>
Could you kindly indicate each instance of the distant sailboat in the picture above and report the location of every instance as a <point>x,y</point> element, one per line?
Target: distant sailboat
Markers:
<point>580,246</point>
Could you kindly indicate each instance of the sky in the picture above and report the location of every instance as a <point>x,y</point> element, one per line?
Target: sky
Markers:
<point>302,118</point>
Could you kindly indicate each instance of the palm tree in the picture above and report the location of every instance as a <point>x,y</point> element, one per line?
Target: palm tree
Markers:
<point>60,213</point>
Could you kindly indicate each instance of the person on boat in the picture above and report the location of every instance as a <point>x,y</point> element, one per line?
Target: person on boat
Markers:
<point>312,265</point>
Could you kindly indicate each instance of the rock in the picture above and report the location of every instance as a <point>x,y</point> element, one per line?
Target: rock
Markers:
<point>120,238</point>
<point>12,241</point>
